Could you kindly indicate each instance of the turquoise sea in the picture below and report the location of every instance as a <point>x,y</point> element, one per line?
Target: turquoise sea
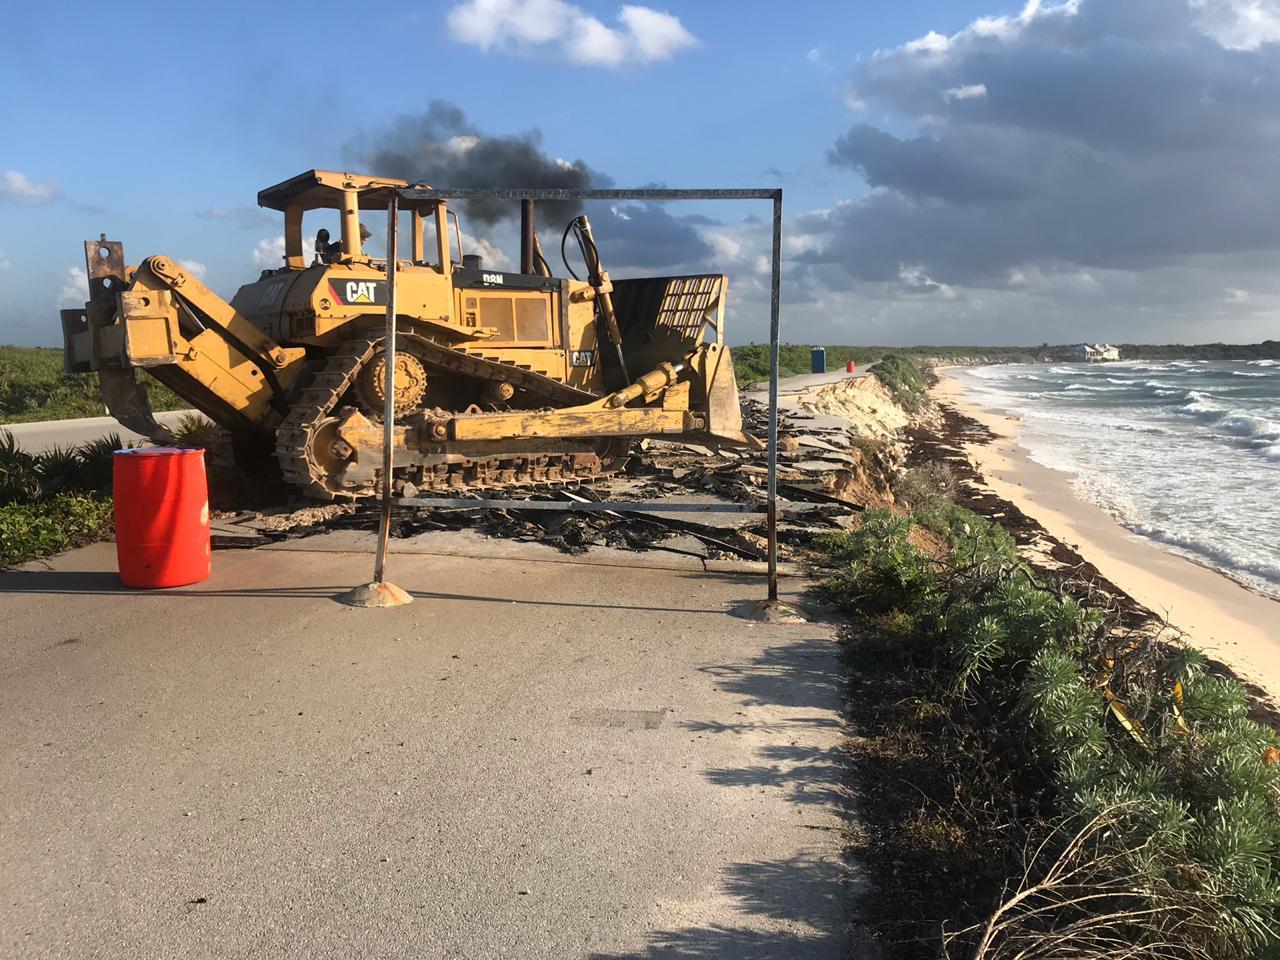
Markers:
<point>1185,453</point>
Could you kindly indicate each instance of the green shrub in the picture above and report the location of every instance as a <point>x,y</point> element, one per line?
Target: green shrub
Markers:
<point>751,361</point>
<point>97,462</point>
<point>918,488</point>
<point>880,570</point>
<point>26,478</point>
<point>1127,726</point>
<point>903,379</point>
<point>29,531</point>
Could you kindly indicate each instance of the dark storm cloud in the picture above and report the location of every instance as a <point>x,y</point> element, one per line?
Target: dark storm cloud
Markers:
<point>922,167</point>
<point>1099,135</point>
<point>443,148</point>
<point>645,236</point>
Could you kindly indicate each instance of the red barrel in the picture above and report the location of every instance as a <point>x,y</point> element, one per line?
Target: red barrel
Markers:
<point>851,367</point>
<point>162,516</point>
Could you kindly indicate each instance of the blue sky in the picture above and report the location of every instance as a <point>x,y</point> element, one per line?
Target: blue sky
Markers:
<point>150,122</point>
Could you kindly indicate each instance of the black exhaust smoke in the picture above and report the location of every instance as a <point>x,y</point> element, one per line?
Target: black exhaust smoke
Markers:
<point>442,148</point>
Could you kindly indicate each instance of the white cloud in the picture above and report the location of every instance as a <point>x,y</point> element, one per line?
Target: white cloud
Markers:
<point>1239,24</point>
<point>797,243</point>
<point>4,261</point>
<point>814,56</point>
<point>17,187</point>
<point>657,35</point>
<point>562,30</point>
<point>969,91</point>
<point>915,279</point>
<point>931,42</point>
<point>75,288</point>
<point>195,268</point>
<point>725,247</point>
<point>1001,28</point>
<point>269,253</point>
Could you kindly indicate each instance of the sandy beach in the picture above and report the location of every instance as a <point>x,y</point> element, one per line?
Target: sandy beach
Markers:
<point>1225,619</point>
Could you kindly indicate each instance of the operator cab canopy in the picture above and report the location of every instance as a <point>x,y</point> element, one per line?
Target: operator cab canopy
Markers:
<point>348,193</point>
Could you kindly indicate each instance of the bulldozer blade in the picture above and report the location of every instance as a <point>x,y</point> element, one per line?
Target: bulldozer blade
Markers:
<point>724,408</point>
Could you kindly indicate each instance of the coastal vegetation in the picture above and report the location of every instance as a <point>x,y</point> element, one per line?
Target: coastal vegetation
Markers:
<point>1044,775</point>
<point>53,501</point>
<point>1267,350</point>
<point>33,386</point>
<point>903,379</point>
<point>751,361</point>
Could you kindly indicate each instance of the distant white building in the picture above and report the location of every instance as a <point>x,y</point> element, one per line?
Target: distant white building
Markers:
<point>1095,352</point>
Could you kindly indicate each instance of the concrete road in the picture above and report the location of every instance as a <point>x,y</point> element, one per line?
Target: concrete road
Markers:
<point>43,435</point>
<point>535,759</point>
<point>790,387</point>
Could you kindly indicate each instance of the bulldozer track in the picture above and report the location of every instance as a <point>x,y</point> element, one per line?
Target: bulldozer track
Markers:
<point>517,469</point>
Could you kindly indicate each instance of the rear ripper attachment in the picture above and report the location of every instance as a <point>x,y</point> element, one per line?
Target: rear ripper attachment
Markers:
<point>502,379</point>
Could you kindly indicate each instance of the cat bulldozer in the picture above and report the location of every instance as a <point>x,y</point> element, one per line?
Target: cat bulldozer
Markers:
<point>502,378</point>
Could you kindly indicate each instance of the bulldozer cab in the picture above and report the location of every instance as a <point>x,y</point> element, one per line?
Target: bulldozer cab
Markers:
<point>349,194</point>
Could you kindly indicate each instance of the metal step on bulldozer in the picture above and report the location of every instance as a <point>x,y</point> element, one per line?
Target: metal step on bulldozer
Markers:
<point>502,379</point>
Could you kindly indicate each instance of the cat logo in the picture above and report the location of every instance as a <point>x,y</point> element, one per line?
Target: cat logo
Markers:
<point>360,291</point>
<point>353,292</point>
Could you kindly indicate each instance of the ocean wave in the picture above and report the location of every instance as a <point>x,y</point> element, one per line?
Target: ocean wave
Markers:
<point>986,373</point>
<point>1140,428</point>
<point>1218,555</point>
<point>1247,425</point>
<point>1093,389</point>
<point>1184,455</point>
<point>1200,405</point>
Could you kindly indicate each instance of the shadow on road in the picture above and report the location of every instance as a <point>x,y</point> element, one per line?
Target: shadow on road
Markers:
<point>82,582</point>
<point>803,894</point>
<point>797,907</point>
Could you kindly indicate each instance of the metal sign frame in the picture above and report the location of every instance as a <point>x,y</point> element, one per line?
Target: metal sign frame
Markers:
<point>531,195</point>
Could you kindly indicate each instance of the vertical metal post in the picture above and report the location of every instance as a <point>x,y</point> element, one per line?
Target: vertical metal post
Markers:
<point>774,301</point>
<point>389,409</point>
<point>528,229</point>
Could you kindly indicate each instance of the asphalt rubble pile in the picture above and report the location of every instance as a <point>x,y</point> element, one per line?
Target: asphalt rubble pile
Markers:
<point>825,478</point>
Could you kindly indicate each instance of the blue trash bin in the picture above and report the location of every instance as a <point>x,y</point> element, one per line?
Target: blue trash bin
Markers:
<point>818,360</point>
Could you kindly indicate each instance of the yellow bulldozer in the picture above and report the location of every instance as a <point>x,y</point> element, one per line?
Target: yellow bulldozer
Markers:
<point>501,379</point>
